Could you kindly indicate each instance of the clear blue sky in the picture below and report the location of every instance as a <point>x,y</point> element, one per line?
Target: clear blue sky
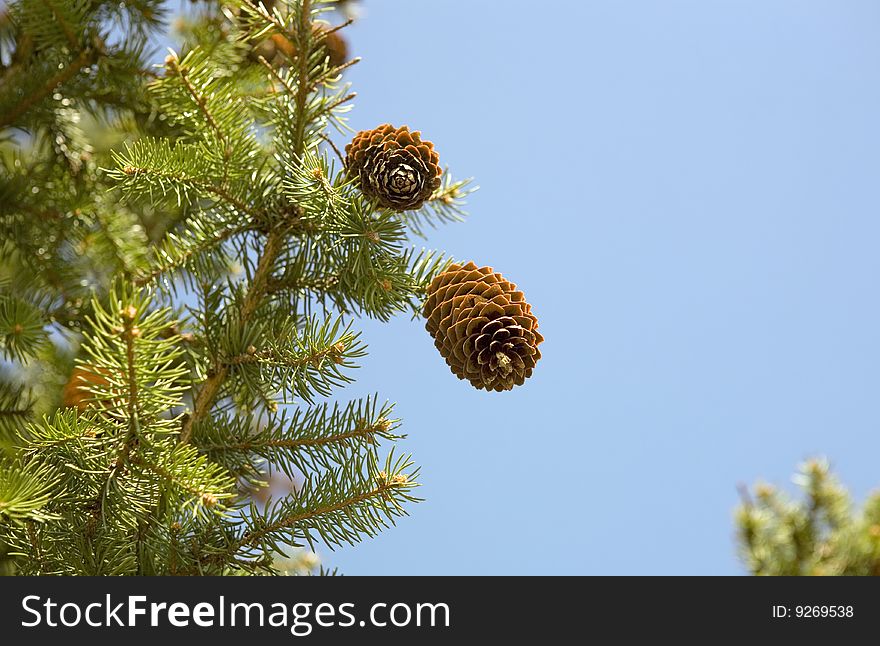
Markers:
<point>688,193</point>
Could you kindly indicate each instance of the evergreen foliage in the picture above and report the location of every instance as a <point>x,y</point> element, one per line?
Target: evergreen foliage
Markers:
<point>185,237</point>
<point>820,535</point>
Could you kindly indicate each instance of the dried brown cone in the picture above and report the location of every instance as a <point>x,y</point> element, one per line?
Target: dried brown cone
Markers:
<point>394,166</point>
<point>483,327</point>
<point>334,45</point>
<point>78,390</point>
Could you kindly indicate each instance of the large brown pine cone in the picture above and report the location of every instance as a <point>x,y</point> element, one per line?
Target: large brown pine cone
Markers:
<point>483,327</point>
<point>394,166</point>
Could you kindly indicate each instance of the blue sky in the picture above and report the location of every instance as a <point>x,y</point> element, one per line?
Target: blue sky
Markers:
<point>687,192</point>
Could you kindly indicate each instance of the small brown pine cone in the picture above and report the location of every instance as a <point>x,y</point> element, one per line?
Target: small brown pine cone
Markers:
<point>78,390</point>
<point>335,46</point>
<point>394,166</point>
<point>483,327</point>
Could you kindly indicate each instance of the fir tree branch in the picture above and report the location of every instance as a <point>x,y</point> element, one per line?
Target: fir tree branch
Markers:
<point>36,543</point>
<point>16,412</point>
<point>206,498</point>
<point>335,104</point>
<point>199,101</point>
<point>294,443</point>
<point>334,72</point>
<point>68,31</point>
<point>219,191</point>
<point>182,257</point>
<point>207,394</point>
<point>320,283</point>
<point>253,538</point>
<point>26,489</point>
<point>85,57</point>
<point>131,332</point>
<point>332,30</point>
<point>278,358</point>
<point>302,91</point>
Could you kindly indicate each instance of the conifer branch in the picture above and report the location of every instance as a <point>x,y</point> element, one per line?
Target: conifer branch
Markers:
<point>368,432</point>
<point>199,100</point>
<point>332,30</point>
<point>180,259</point>
<point>130,333</point>
<point>284,358</point>
<point>207,394</point>
<point>16,412</point>
<point>335,104</point>
<point>227,177</point>
<point>68,31</point>
<point>296,283</point>
<point>34,538</point>
<point>28,101</point>
<point>206,498</point>
<point>302,91</point>
<point>334,72</point>
<point>253,538</point>
<point>219,191</point>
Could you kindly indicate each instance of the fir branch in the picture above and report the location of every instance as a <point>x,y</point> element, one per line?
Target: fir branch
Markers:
<point>333,73</point>
<point>207,393</point>
<point>173,65</point>
<point>446,205</point>
<point>338,102</point>
<point>303,283</point>
<point>315,438</point>
<point>367,432</point>
<point>336,150</point>
<point>254,537</point>
<point>25,491</point>
<point>183,468</point>
<point>130,332</point>
<point>85,57</point>
<point>190,181</point>
<point>181,250</point>
<point>65,27</point>
<point>22,325</point>
<point>257,192</point>
<point>20,413</point>
<point>342,506</point>
<point>304,33</point>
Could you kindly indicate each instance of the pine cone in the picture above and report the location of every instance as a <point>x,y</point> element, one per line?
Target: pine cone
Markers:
<point>483,327</point>
<point>335,46</point>
<point>78,390</point>
<point>394,166</point>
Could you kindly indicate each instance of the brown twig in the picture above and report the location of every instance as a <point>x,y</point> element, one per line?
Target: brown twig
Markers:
<point>333,146</point>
